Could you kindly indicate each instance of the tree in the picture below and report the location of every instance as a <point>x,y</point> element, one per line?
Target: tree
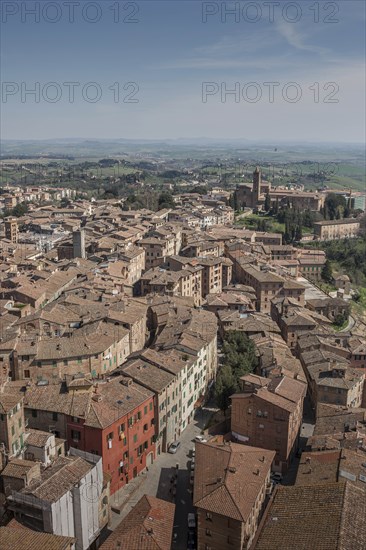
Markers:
<point>327,274</point>
<point>340,319</point>
<point>267,202</point>
<point>224,387</point>
<point>348,209</point>
<point>239,359</point>
<point>201,189</point>
<point>334,205</point>
<point>298,233</point>
<point>166,200</point>
<point>19,210</point>
<point>65,202</point>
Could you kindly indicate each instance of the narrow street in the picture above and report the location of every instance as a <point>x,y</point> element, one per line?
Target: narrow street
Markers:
<point>158,482</point>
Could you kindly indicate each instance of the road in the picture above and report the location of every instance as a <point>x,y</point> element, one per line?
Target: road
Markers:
<point>311,291</point>
<point>157,482</point>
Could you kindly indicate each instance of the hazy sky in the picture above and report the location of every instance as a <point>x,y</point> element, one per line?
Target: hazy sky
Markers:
<point>163,69</point>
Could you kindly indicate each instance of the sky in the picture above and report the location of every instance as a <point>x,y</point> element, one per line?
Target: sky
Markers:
<point>183,69</point>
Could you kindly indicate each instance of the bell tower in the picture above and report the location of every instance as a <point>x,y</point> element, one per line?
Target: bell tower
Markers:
<point>257,181</point>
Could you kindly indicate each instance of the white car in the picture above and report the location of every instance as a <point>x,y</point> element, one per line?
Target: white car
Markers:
<point>200,439</point>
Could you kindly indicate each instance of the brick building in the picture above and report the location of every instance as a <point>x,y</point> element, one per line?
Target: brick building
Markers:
<point>230,486</point>
<point>268,414</point>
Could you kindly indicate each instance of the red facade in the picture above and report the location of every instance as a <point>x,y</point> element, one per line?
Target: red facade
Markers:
<point>126,446</point>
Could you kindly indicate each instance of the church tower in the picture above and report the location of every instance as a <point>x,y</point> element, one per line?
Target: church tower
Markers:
<point>257,180</point>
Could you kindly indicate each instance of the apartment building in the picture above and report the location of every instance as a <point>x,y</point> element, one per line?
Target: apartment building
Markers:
<point>94,349</point>
<point>330,230</point>
<point>331,380</point>
<point>268,414</point>
<point>185,282</point>
<point>113,419</point>
<point>12,424</point>
<point>216,271</point>
<point>230,486</point>
<point>165,386</point>
<point>265,283</point>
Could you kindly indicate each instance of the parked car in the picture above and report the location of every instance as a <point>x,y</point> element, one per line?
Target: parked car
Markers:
<point>191,541</point>
<point>174,447</point>
<point>191,521</point>
<point>276,477</point>
<point>200,439</point>
<point>191,477</point>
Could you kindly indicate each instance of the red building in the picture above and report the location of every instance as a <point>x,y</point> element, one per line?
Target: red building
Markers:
<point>114,419</point>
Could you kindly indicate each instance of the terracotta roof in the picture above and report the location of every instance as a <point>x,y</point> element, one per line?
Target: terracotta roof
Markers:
<point>59,478</point>
<point>19,468</point>
<point>229,477</point>
<point>12,538</point>
<point>148,526</point>
<point>320,517</point>
<point>115,400</point>
<point>37,438</point>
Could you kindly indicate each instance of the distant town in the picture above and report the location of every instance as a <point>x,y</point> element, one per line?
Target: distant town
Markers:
<point>182,365</point>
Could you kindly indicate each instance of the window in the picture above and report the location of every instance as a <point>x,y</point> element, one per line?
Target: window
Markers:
<point>208,516</point>
<point>135,438</point>
<point>20,422</point>
<point>12,430</point>
<point>75,435</point>
<point>208,533</point>
<point>66,362</point>
<point>139,415</point>
<point>26,374</point>
<point>110,436</point>
<point>146,427</point>
<point>76,419</point>
<point>54,416</point>
<point>150,405</point>
<point>145,409</point>
<point>34,413</point>
<point>122,427</point>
